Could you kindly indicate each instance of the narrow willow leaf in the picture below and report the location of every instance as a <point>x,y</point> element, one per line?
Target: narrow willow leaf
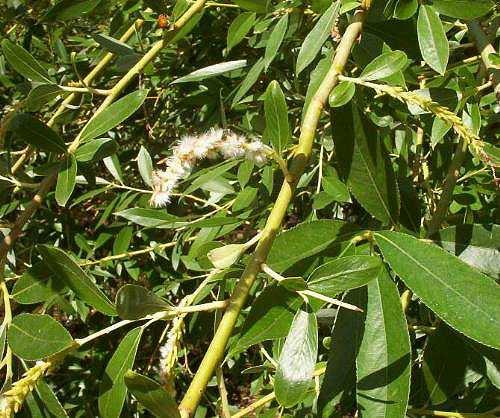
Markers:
<point>66,180</point>
<point>65,269</point>
<point>113,45</point>
<point>71,9</point>
<point>36,133</point>
<point>250,79</point>
<point>112,390</point>
<point>446,285</point>
<point>122,240</point>
<point>365,165</point>
<point>135,302</point>
<point>315,39</point>
<point>145,165</point>
<point>33,337</point>
<point>226,256</point>
<point>35,285</point>
<point>384,65</point>
<point>151,395</point>
<point>112,164</point>
<point>476,245</point>
<point>96,150</point>
<point>384,358</point>
<point>49,399</point>
<point>345,273</point>
<point>153,218</point>
<point>24,63</point>
<point>211,71</point>
<point>270,318</point>
<point>276,113</point>
<point>317,76</point>
<point>113,115</point>
<point>305,240</point>
<point>405,9</point>
<point>239,28</point>
<point>275,40</point>
<point>444,365</point>
<point>209,175</point>
<point>463,9</point>
<point>340,374</point>
<point>342,94</point>
<point>432,39</point>
<point>43,94</point>
<point>297,360</point>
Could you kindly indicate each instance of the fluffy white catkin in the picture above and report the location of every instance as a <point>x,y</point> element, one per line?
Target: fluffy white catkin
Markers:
<point>191,149</point>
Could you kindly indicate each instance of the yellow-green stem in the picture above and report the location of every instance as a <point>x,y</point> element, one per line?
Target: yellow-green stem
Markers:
<point>300,159</point>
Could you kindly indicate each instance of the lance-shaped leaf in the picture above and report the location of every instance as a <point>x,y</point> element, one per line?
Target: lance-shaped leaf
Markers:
<point>342,94</point>
<point>249,80</point>
<point>270,317</point>
<point>276,112</point>
<point>305,240</point>
<point>134,302</point>
<point>36,133</point>
<point>239,29</point>
<point>343,274</point>
<point>297,360</point>
<point>33,337</point>
<point>365,165</point>
<point>275,40</point>
<point>96,150</point>
<point>384,65</point>
<point>113,390</point>
<point>384,358</point>
<point>145,165</point>
<point>432,39</point>
<point>65,269</point>
<point>151,395</point>
<point>153,218</point>
<point>70,9</point>
<point>474,244</point>
<point>211,71</point>
<point>113,115</point>
<point>463,9</point>
<point>24,63</point>
<point>447,285</point>
<point>340,375</point>
<point>42,94</point>
<point>315,39</point>
<point>66,180</point>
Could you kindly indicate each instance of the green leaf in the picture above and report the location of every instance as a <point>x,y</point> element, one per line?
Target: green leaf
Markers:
<point>145,165</point>
<point>49,399</point>
<point>444,365</point>
<point>71,9</point>
<point>151,395</point>
<point>33,337</point>
<point>239,29</point>
<point>151,218</point>
<point>365,165</point>
<point>405,9</point>
<point>342,94</point>
<point>112,164</point>
<point>259,6</point>
<point>66,180</point>
<point>96,150</point>
<point>275,40</point>
<point>476,245</point>
<point>211,71</point>
<point>37,134</point>
<point>35,285</point>
<point>316,38</point>
<point>209,175</point>
<point>384,358</point>
<point>343,274</point>
<point>446,285</point>
<point>250,79</point>
<point>112,390</point>
<point>305,240</point>
<point>445,97</point>
<point>43,94</point>
<point>244,199</point>
<point>65,269</point>
<point>340,375</point>
<point>24,63</point>
<point>492,154</point>
<point>384,65</point>
<point>297,360</point>
<point>463,9</point>
<point>276,112</point>
<point>432,39</point>
<point>113,45</point>
<point>113,115</point>
<point>135,302</point>
<point>315,79</point>
<point>270,318</point>
<point>122,240</point>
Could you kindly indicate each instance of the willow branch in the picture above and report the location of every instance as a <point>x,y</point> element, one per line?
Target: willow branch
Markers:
<point>49,181</point>
<point>73,96</point>
<point>298,164</point>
